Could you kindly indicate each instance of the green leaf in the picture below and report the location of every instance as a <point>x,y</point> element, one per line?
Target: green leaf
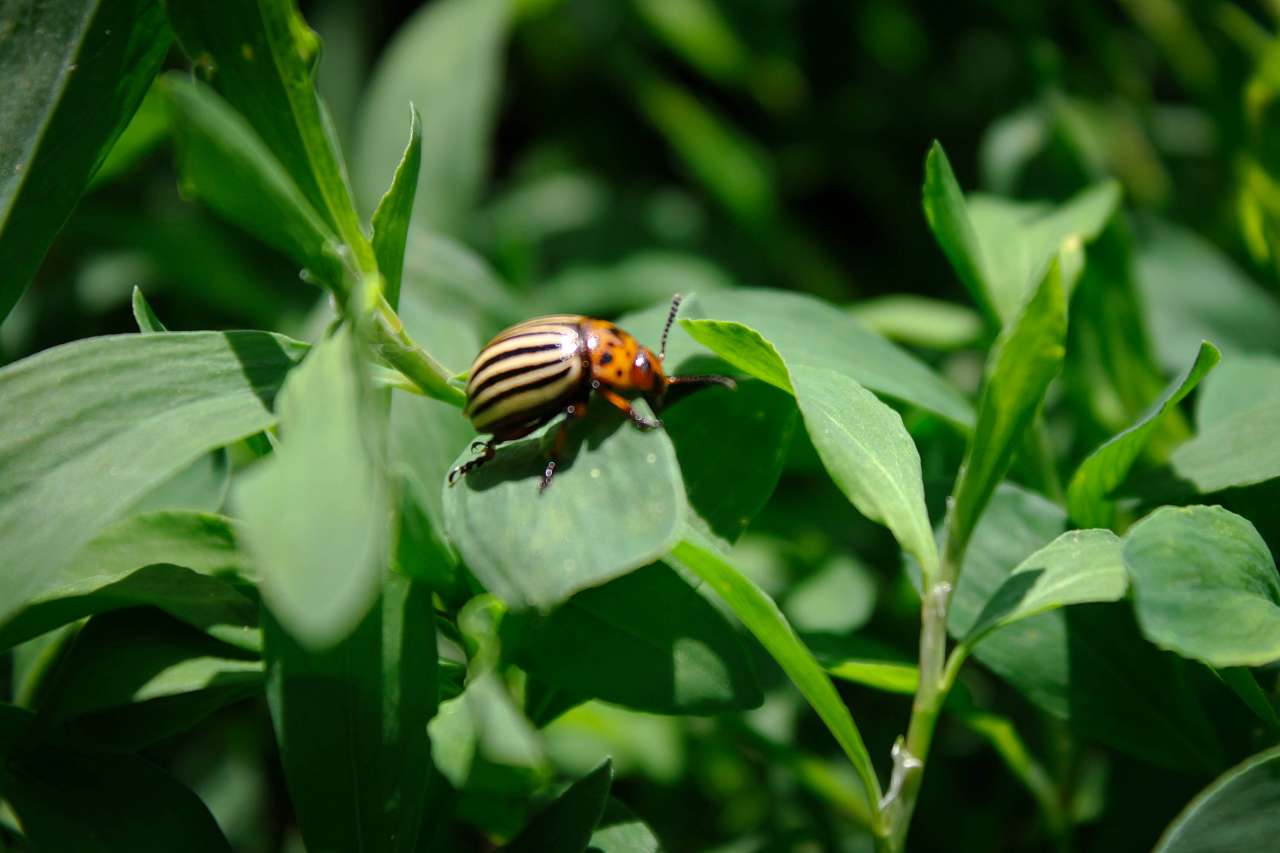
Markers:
<point>1079,567</point>
<point>146,319</point>
<point>261,56</point>
<point>1193,292</point>
<point>391,219</point>
<point>1241,449</point>
<point>901,678</point>
<point>157,675</point>
<point>1087,664</point>
<point>619,831</point>
<point>225,164</point>
<point>839,597</point>
<point>144,133</point>
<point>646,641</point>
<point>765,621</point>
<point>84,67</point>
<point>351,724</point>
<point>1205,586</point>
<point>1239,811</point>
<point>165,559</point>
<point>448,58</point>
<point>944,208</point>
<point>1106,468</point>
<point>97,802</point>
<point>1019,239</point>
<point>1023,361</point>
<point>200,487</point>
<point>568,823</point>
<point>806,331</point>
<point>616,504</point>
<point>1242,683</point>
<point>319,531</point>
<point>869,454</point>
<point>481,737</point>
<point>920,321</point>
<point>94,425</point>
<point>1240,383</point>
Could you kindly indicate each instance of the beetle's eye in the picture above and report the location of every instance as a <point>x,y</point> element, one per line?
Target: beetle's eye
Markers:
<point>642,363</point>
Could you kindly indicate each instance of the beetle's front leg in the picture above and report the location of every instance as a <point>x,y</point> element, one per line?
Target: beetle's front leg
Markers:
<point>624,406</point>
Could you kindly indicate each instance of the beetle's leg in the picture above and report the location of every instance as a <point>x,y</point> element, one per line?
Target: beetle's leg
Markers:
<point>467,467</point>
<point>625,407</point>
<point>572,412</point>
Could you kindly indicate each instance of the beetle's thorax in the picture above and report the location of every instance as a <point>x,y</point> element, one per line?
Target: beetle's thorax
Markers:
<point>620,362</point>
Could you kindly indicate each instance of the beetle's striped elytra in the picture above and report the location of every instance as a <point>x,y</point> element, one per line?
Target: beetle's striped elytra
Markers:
<point>535,370</point>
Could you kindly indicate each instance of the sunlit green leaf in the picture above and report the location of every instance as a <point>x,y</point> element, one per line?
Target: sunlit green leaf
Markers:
<point>146,319</point>
<point>1205,585</point>
<point>80,69</point>
<point>91,427</point>
<point>1239,811</point>
<point>319,532</point>
<point>1241,449</point>
<point>920,321</point>
<point>391,219</point>
<point>1106,467</point>
<point>1240,383</point>
<point>944,208</point>
<point>619,831</point>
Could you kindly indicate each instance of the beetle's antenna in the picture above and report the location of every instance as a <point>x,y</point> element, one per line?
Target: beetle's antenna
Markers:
<point>671,318</point>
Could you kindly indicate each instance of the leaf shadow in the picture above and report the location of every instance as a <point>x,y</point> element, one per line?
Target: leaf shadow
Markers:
<point>264,361</point>
<point>1005,600</point>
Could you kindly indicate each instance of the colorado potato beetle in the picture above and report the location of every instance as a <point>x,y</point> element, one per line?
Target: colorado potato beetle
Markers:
<point>536,370</point>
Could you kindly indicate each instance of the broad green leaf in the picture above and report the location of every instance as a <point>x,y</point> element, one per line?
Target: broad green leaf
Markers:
<point>168,560</point>
<point>1239,811</point>
<point>351,723</point>
<point>1193,292</point>
<point>869,454</point>
<point>806,331</point>
<point>1205,586</point>
<point>765,621</point>
<point>200,487</point>
<point>448,59</point>
<point>920,321</point>
<point>646,641</point>
<point>740,436</point>
<point>481,735</point>
<point>1240,383</point>
<point>319,531</point>
<point>944,208</point>
<point>616,504</point>
<point>1106,468</point>
<point>261,56</point>
<point>620,831</point>
<point>80,69</point>
<point>134,677</point>
<point>148,322</point>
<point>1022,363</point>
<point>224,163</point>
<point>1079,567</point>
<point>391,219</point>
<point>1019,239</point>
<point>1087,664</point>
<point>92,426</point>
<point>1241,449</point>
<point>569,822</point>
<point>99,802</point>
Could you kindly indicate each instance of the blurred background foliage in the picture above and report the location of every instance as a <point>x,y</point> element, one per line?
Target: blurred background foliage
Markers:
<point>598,156</point>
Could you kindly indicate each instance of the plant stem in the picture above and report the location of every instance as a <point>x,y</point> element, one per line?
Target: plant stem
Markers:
<point>396,347</point>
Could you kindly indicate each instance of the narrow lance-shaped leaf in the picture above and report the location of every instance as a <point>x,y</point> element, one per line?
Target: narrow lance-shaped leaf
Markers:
<point>224,163</point>
<point>765,621</point>
<point>80,69</point>
<point>1105,468</point>
<point>944,208</point>
<point>319,531</point>
<point>391,219</point>
<point>261,56</point>
<point>92,426</point>
<point>567,824</point>
<point>148,322</point>
<point>1025,358</point>
<point>351,723</point>
<point>448,58</point>
<point>1240,811</point>
<point>862,442</point>
<point>1205,586</point>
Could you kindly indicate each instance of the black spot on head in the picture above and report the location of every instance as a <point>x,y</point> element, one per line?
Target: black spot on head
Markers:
<point>607,357</point>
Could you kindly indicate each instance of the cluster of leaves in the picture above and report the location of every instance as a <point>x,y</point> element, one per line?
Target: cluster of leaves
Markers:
<point>202,530</point>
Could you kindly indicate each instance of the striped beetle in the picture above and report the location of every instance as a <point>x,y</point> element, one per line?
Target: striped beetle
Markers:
<point>548,366</point>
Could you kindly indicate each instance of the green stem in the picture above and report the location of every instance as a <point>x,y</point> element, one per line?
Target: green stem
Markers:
<point>396,347</point>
